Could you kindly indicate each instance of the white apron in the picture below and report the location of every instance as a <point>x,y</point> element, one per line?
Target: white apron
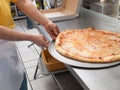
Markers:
<point>11,71</point>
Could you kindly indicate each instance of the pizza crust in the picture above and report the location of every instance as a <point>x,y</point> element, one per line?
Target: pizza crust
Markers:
<point>68,51</point>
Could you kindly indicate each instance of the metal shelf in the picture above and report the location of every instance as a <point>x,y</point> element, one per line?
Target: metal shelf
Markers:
<point>15,12</point>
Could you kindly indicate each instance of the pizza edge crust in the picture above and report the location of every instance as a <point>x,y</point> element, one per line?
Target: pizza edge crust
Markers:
<point>65,53</point>
<point>78,58</point>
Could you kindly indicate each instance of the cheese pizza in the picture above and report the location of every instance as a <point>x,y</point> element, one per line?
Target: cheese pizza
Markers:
<point>89,45</point>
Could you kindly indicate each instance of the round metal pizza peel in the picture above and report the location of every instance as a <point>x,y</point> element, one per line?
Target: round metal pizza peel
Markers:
<point>65,60</point>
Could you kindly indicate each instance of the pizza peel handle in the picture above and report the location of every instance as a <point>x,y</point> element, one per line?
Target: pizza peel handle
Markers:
<point>47,37</point>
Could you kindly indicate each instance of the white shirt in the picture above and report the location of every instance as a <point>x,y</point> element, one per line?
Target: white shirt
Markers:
<point>11,71</point>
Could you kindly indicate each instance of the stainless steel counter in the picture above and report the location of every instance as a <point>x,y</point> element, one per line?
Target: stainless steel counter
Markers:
<point>94,79</point>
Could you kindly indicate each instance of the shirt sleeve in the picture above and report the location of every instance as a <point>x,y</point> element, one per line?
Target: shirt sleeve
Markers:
<point>13,0</point>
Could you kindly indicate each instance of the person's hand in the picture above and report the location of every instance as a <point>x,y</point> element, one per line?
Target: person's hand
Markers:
<point>52,29</point>
<point>40,40</point>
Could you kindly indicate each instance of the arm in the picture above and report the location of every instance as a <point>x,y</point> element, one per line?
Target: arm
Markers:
<point>8,34</point>
<point>29,9</point>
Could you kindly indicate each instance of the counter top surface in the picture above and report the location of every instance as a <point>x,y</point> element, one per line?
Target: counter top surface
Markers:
<point>94,79</point>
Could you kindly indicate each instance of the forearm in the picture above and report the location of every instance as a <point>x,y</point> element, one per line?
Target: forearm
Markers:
<point>29,9</point>
<point>8,34</point>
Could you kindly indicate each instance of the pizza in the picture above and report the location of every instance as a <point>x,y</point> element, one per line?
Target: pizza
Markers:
<point>89,45</point>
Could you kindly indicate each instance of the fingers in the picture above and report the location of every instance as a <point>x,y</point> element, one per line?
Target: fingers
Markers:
<point>40,40</point>
<point>44,38</point>
<point>45,42</point>
<point>53,30</point>
<point>52,34</point>
<point>56,30</point>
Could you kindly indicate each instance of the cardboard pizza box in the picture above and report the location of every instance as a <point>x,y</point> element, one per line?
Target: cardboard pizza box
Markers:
<point>51,63</point>
<point>68,10</point>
